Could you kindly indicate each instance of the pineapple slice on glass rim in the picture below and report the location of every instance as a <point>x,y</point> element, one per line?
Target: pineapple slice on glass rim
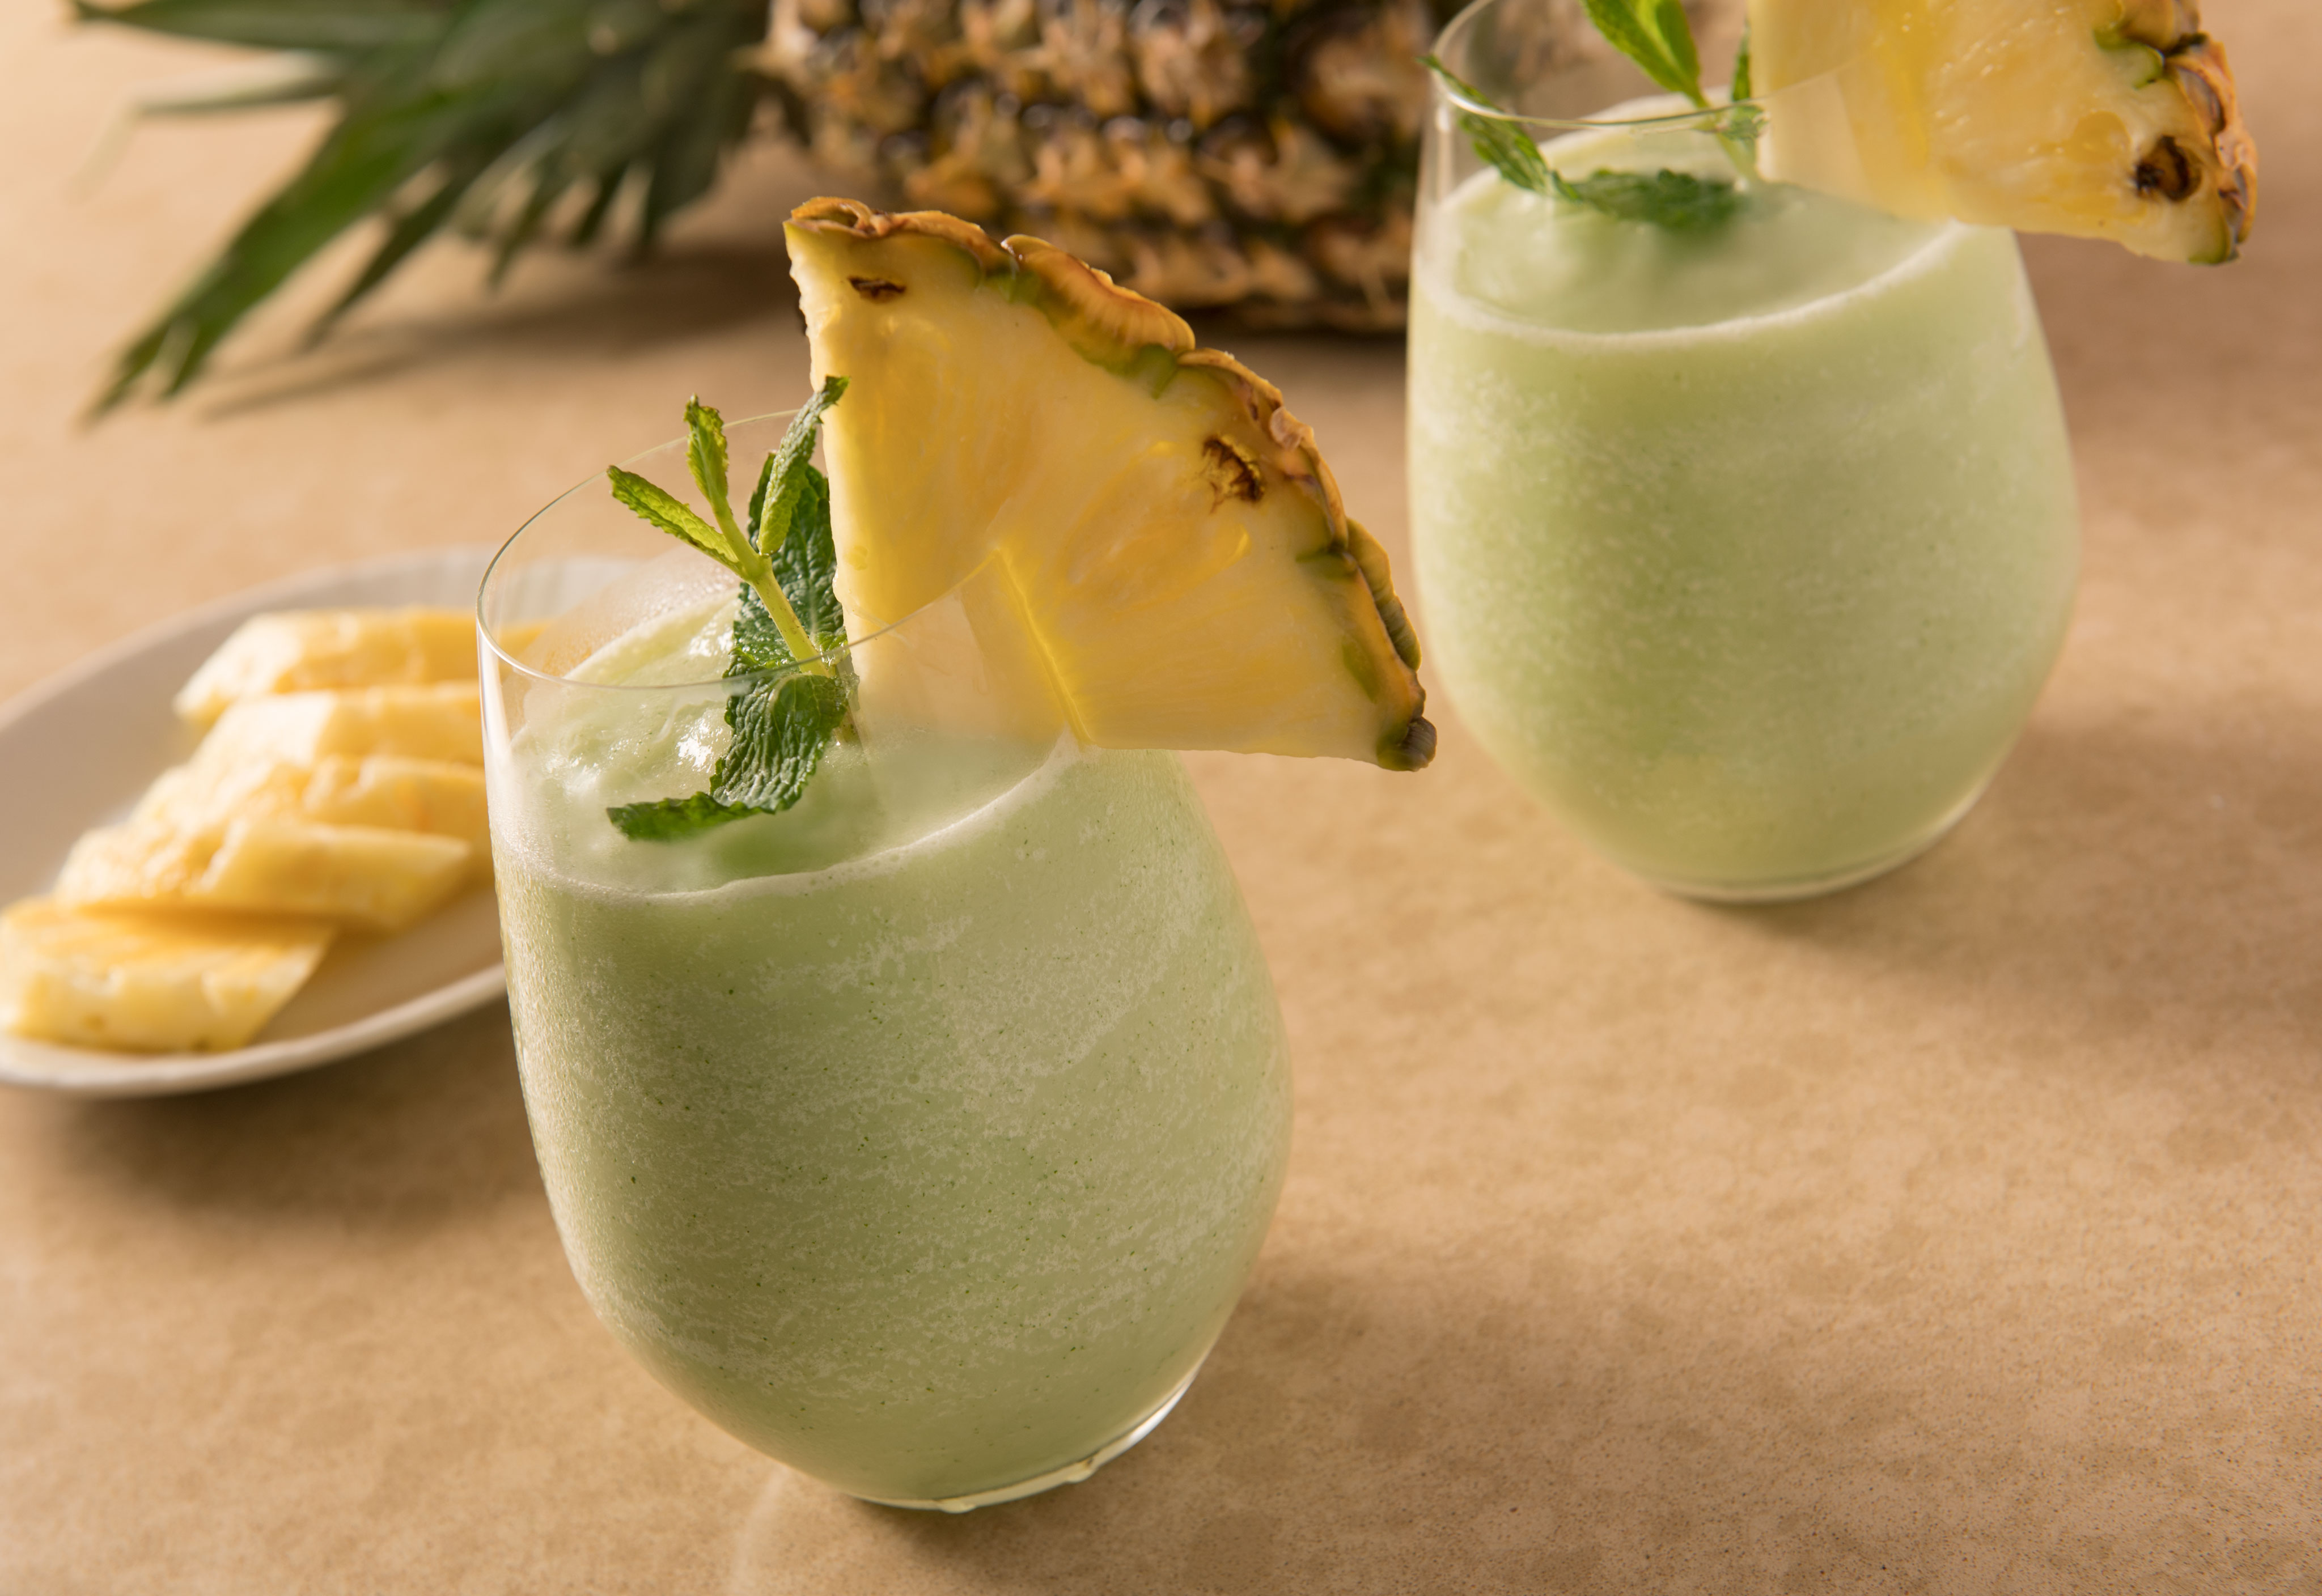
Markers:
<point>1164,530</point>
<point>2112,119</point>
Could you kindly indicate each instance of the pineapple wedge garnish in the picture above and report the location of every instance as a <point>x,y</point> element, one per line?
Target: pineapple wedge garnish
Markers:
<point>1166,529</point>
<point>297,651</point>
<point>2110,119</point>
<point>150,982</point>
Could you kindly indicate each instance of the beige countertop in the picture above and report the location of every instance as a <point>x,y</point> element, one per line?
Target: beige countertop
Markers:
<point>1962,1232</point>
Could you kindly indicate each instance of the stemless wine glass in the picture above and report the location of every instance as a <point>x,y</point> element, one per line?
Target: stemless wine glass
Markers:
<point>1744,546</point>
<point>922,1136</point>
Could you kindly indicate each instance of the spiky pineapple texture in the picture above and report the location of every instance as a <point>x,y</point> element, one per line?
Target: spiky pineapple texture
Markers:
<point>1259,156</point>
<point>1207,153</point>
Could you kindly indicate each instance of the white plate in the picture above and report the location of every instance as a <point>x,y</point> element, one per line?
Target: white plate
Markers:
<point>78,750</point>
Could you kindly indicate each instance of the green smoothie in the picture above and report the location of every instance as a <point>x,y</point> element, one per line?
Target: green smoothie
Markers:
<point>922,1136</point>
<point>1744,549</point>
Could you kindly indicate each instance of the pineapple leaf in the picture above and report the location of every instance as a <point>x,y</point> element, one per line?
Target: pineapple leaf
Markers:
<point>406,234</point>
<point>341,25</point>
<point>357,170</point>
<point>1499,142</point>
<point>467,103</point>
<point>1655,34</point>
<point>1743,88</point>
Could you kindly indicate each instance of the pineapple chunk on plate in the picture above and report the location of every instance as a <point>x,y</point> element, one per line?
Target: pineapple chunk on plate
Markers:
<point>363,876</point>
<point>82,748</point>
<point>293,651</point>
<point>163,982</point>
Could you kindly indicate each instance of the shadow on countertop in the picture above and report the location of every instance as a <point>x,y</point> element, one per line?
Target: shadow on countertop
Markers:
<point>399,1140</point>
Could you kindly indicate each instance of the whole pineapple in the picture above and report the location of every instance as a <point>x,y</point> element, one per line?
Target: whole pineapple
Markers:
<point>1207,153</point>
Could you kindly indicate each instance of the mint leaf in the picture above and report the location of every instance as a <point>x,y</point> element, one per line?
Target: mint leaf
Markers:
<point>782,729</point>
<point>1741,90</point>
<point>705,457</point>
<point>786,469</point>
<point>807,562</point>
<point>1500,144</point>
<point>1678,201</point>
<point>673,515</point>
<point>1655,34</point>
<point>670,820</point>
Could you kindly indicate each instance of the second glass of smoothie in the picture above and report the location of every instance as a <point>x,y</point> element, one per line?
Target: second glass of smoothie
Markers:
<point>920,1136</point>
<point>1745,548</point>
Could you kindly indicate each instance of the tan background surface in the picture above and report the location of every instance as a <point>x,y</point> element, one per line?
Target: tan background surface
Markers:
<point>1958,1234</point>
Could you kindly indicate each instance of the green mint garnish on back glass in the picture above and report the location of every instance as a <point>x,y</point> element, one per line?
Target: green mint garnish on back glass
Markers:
<point>788,620</point>
<point>1655,34</point>
<point>1678,201</point>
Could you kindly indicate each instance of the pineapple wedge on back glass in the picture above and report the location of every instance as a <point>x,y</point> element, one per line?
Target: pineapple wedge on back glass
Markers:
<point>903,1069</point>
<point>1742,510</point>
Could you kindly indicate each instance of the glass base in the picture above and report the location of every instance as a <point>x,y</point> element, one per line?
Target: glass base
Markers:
<point>1791,890</point>
<point>1071,1473</point>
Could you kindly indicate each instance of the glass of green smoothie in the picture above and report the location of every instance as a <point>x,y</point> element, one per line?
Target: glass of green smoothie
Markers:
<point>1744,518</point>
<point>920,1133</point>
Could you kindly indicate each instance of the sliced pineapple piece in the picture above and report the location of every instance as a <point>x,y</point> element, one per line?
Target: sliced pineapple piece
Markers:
<point>215,786</point>
<point>2108,119</point>
<point>149,982</point>
<point>297,650</point>
<point>430,795</point>
<point>141,863</point>
<point>438,722</point>
<point>365,876</point>
<point>1167,532</point>
<point>361,875</point>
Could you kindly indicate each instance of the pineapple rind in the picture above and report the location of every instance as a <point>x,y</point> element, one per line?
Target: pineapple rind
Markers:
<point>147,983</point>
<point>1258,155</point>
<point>1172,532</point>
<point>2111,119</point>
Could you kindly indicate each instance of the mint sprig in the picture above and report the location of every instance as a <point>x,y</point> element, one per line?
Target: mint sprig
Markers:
<point>1657,36</point>
<point>1499,143</point>
<point>788,622</point>
<point>726,543</point>
<point>1676,200</point>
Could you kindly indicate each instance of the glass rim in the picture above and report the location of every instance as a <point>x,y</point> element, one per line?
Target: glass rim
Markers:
<point>1704,118</point>
<point>741,681</point>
